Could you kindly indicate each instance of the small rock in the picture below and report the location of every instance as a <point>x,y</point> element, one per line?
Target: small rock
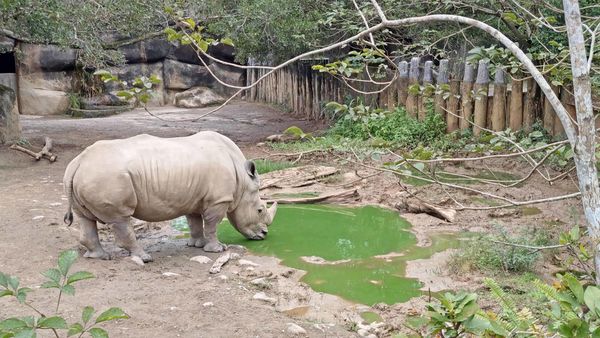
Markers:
<point>247,262</point>
<point>223,277</point>
<point>287,273</point>
<point>262,283</point>
<point>295,329</point>
<point>37,218</point>
<point>55,204</point>
<point>208,304</point>
<point>170,274</point>
<point>201,259</point>
<point>137,260</point>
<point>263,297</point>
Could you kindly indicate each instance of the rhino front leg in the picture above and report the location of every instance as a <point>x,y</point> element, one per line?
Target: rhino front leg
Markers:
<point>197,238</point>
<point>125,238</point>
<point>88,237</point>
<point>212,217</point>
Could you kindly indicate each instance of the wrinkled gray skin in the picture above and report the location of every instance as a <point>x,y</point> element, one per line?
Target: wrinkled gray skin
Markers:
<point>204,176</point>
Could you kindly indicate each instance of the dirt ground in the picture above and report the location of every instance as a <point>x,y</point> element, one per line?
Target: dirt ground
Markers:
<point>193,303</point>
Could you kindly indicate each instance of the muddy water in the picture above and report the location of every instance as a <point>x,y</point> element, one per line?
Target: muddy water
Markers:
<point>359,254</point>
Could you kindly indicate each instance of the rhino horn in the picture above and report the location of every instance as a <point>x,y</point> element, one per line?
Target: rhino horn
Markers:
<point>271,213</point>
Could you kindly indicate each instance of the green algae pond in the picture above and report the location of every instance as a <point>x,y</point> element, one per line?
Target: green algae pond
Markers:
<point>359,254</point>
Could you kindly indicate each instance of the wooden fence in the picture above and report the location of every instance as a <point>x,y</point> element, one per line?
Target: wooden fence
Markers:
<point>465,95</point>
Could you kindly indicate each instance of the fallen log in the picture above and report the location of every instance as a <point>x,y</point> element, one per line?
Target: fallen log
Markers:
<point>336,196</point>
<point>418,207</point>
<point>46,151</point>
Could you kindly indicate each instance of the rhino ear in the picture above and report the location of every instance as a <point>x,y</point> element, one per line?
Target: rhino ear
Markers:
<point>250,168</point>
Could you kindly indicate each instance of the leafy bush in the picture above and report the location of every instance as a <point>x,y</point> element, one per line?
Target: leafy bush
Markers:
<point>573,311</point>
<point>58,278</point>
<point>364,122</point>
<point>489,254</point>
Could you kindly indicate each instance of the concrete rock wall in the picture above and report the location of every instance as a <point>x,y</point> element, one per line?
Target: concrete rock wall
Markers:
<point>45,73</point>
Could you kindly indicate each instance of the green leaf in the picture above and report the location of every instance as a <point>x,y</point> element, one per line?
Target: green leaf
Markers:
<point>80,275</point>
<point>22,294</point>
<point>75,329</point>
<point>111,314</point>
<point>575,286</point>
<point>87,313</point>
<point>29,333</point>
<point>68,289</point>
<point>6,293</point>
<point>13,282</point>
<point>227,41</point>
<point>65,260</point>
<point>13,323</point>
<point>97,332</point>
<point>203,45</point>
<point>592,298</point>
<point>50,285</point>
<point>3,280</point>
<point>53,274</point>
<point>52,323</point>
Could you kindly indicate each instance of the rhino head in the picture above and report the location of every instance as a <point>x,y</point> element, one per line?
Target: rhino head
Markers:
<point>251,216</point>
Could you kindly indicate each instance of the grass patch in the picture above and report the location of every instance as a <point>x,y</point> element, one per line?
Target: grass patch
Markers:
<point>266,166</point>
<point>488,256</point>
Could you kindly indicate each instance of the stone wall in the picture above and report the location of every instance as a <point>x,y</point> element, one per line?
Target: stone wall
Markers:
<point>45,73</point>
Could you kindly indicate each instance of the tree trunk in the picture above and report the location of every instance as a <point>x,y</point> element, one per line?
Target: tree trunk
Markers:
<point>585,147</point>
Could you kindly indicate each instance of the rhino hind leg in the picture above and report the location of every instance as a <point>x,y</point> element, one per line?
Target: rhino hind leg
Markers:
<point>125,238</point>
<point>89,238</point>
<point>197,238</point>
<point>212,217</point>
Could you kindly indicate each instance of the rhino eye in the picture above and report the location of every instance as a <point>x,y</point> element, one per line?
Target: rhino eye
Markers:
<point>260,210</point>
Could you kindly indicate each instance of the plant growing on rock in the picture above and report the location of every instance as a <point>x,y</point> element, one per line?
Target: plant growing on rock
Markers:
<point>57,278</point>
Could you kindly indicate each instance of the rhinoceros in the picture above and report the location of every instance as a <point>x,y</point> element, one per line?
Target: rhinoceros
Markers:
<point>204,176</point>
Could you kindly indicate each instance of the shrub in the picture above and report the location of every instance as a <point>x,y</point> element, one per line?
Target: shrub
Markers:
<point>58,278</point>
<point>489,254</point>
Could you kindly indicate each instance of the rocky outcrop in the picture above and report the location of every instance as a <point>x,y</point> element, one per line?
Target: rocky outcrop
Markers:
<point>45,93</point>
<point>36,101</point>
<point>230,75</point>
<point>179,75</point>
<point>10,128</point>
<point>186,54</point>
<point>132,71</point>
<point>198,97</point>
<point>148,51</point>
<point>46,58</point>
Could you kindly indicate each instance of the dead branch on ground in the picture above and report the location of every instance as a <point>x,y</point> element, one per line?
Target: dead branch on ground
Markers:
<point>46,151</point>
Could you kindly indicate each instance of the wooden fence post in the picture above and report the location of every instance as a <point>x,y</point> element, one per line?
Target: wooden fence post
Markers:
<point>515,114</point>
<point>549,112</point>
<point>481,89</point>
<point>467,97</point>
<point>427,83</point>
<point>453,103</point>
<point>412,99</point>
<point>442,89</point>
<point>568,102</point>
<point>402,82</point>
<point>499,101</point>
<point>530,105</point>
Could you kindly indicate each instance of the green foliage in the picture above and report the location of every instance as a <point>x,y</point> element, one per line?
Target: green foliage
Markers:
<point>363,122</point>
<point>490,255</point>
<point>456,315</point>
<point>265,166</point>
<point>58,278</point>
<point>139,91</point>
<point>496,57</point>
<point>574,307</point>
<point>356,62</point>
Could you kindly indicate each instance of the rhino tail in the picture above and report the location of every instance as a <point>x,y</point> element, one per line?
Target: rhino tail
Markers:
<point>68,182</point>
